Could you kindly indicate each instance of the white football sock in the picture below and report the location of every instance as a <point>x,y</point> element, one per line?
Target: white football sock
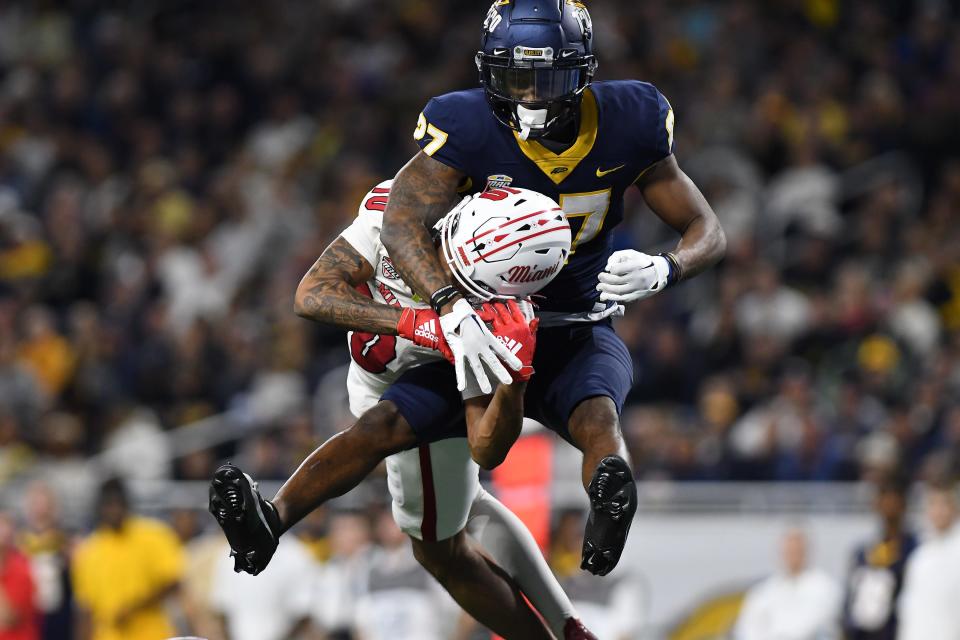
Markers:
<point>513,548</point>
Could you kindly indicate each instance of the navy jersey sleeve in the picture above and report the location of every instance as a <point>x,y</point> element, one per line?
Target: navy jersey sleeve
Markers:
<point>446,130</point>
<point>656,134</point>
<point>664,126</point>
<point>653,117</point>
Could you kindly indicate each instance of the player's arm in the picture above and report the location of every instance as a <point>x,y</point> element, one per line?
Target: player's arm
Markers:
<point>676,200</point>
<point>633,275</point>
<point>328,293</point>
<point>494,421</point>
<point>421,193</point>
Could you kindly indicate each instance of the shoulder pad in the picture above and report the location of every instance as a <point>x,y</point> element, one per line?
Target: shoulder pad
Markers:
<point>451,125</point>
<point>642,103</point>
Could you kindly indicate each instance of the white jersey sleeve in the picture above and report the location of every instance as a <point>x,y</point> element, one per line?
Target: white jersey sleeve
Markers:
<point>364,233</point>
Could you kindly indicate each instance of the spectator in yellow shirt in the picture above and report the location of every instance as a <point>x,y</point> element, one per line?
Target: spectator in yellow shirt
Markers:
<point>123,572</point>
<point>45,352</point>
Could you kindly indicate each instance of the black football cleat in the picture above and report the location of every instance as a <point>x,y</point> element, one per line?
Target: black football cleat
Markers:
<point>613,502</point>
<point>574,630</point>
<point>250,523</point>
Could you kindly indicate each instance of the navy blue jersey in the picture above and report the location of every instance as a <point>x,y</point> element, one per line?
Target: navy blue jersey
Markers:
<point>625,127</point>
<point>873,588</point>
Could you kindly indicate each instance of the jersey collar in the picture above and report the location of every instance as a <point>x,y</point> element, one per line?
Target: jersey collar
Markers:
<point>558,166</point>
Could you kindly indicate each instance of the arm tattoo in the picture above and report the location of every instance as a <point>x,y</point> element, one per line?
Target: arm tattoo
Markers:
<point>327,293</point>
<point>422,193</point>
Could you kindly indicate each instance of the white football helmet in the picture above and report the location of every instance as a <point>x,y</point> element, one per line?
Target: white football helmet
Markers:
<point>505,242</point>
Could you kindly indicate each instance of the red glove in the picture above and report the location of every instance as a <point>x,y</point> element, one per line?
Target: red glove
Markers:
<point>422,328</point>
<point>511,327</point>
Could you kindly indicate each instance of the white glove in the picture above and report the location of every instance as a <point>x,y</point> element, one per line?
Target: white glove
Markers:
<point>631,275</point>
<point>470,340</point>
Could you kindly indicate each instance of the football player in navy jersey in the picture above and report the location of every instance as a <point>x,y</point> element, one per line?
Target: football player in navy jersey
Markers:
<point>539,122</point>
<point>879,566</point>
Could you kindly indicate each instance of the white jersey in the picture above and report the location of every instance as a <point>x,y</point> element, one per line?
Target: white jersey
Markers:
<point>434,485</point>
<point>377,361</point>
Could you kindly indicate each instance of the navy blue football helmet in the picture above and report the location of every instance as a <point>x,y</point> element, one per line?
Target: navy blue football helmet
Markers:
<point>536,55</point>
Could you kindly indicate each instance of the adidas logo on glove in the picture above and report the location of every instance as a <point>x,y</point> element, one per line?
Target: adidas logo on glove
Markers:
<point>427,330</point>
<point>511,344</point>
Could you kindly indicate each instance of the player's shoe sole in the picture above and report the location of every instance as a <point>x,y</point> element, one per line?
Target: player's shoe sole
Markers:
<point>613,502</point>
<point>248,521</point>
<point>574,630</point>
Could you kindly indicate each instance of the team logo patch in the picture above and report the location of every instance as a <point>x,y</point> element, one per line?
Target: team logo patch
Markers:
<point>388,270</point>
<point>557,170</point>
<point>498,181</point>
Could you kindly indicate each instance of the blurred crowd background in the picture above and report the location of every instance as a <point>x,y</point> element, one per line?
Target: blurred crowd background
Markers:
<point>169,170</point>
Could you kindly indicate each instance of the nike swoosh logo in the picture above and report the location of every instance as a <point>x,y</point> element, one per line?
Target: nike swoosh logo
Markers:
<point>600,173</point>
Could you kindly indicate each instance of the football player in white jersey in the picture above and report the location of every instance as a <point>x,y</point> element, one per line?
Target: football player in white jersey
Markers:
<point>433,478</point>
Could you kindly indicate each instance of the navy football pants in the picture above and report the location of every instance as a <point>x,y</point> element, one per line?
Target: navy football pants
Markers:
<point>572,363</point>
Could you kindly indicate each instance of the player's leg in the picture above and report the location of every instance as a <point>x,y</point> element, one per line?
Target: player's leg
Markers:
<point>584,375</point>
<point>595,429</point>
<point>480,587</point>
<point>343,461</point>
<point>253,525</point>
<point>427,407</point>
<point>508,541</point>
<point>433,488</point>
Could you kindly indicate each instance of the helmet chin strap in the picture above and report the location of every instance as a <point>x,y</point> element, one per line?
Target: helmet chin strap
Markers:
<point>530,119</point>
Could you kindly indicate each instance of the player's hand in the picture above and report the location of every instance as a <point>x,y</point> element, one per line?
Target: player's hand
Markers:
<point>422,328</point>
<point>472,343</point>
<point>513,329</point>
<point>631,275</point>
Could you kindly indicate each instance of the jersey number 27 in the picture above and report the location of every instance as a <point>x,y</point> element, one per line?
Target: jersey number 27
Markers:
<point>590,207</point>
